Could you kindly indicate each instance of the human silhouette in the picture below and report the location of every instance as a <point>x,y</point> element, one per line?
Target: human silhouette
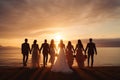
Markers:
<point>45,50</point>
<point>69,53</point>
<point>79,54</point>
<point>35,55</point>
<point>61,64</point>
<point>52,52</point>
<point>91,49</point>
<point>25,48</point>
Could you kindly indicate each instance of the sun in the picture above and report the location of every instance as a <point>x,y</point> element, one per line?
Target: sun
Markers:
<point>58,37</point>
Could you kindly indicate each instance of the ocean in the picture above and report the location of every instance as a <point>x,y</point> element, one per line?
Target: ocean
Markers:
<point>107,56</point>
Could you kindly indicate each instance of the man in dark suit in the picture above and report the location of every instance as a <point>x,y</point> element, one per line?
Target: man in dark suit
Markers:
<point>45,51</point>
<point>25,48</point>
<point>91,49</point>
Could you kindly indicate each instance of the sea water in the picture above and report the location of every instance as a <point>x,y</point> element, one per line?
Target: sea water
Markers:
<point>107,56</point>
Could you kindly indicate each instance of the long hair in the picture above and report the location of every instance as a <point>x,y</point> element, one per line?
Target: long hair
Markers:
<point>80,43</point>
<point>52,44</point>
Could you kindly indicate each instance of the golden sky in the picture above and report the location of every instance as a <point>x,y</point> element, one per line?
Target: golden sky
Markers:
<point>46,19</point>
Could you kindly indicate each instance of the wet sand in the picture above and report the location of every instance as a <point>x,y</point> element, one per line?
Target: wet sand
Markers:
<point>96,73</point>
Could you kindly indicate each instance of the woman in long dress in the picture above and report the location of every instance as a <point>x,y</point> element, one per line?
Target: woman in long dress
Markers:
<point>69,53</point>
<point>79,54</point>
<point>35,55</point>
<point>52,52</point>
<point>61,64</point>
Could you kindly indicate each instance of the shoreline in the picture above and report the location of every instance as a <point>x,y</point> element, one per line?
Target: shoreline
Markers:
<point>75,66</point>
<point>95,73</point>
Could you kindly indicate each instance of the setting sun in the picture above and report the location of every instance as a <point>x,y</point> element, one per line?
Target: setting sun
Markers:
<point>58,37</point>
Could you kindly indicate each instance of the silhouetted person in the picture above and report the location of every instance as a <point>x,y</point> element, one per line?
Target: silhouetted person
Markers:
<point>35,55</point>
<point>52,52</point>
<point>25,48</point>
<point>45,51</point>
<point>61,64</point>
<point>91,49</point>
<point>69,54</point>
<point>79,54</point>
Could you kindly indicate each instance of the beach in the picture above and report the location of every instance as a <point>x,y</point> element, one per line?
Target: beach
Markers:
<point>106,67</point>
<point>95,73</point>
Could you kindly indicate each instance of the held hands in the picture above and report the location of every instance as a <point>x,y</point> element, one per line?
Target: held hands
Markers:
<point>74,51</point>
<point>30,51</point>
<point>96,53</point>
<point>85,52</point>
<point>39,51</point>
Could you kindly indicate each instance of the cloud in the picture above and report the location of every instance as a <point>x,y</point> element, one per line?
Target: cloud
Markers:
<point>20,17</point>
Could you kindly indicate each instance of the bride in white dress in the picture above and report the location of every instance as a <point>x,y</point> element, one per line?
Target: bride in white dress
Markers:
<point>35,55</point>
<point>61,64</point>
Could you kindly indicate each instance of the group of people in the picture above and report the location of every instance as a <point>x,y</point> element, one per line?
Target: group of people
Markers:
<point>66,54</point>
<point>35,51</point>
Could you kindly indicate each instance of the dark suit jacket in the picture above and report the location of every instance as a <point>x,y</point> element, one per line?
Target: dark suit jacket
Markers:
<point>25,48</point>
<point>91,48</point>
<point>45,47</point>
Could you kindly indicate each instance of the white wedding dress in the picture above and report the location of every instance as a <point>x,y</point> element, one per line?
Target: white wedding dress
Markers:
<point>61,64</point>
<point>35,56</point>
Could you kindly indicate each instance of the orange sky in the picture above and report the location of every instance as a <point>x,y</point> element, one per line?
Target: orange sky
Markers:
<point>45,19</point>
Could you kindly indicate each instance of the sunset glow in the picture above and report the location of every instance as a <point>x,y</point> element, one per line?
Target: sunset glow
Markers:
<point>58,37</point>
<point>58,19</point>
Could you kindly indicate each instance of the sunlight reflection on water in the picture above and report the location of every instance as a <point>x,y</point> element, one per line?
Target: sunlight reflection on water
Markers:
<point>106,57</point>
